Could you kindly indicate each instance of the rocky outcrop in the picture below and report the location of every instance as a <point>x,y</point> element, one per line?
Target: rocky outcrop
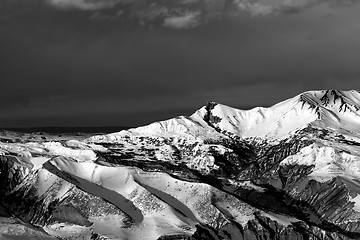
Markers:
<point>12,173</point>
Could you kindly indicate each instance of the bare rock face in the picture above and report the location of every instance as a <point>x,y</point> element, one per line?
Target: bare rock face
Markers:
<point>290,171</point>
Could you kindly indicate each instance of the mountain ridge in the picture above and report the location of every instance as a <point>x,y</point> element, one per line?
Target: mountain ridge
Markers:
<point>290,171</point>
<point>281,119</point>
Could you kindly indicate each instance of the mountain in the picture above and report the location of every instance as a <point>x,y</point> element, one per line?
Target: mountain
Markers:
<point>290,171</point>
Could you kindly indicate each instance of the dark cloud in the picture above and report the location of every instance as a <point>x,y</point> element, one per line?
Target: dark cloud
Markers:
<point>266,7</point>
<point>185,14</point>
<point>187,20</point>
<point>169,13</point>
<point>84,4</point>
<point>98,67</point>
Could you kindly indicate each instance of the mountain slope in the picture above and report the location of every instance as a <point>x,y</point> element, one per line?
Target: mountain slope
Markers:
<point>290,171</point>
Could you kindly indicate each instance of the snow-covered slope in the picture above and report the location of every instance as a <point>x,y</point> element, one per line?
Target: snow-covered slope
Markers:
<point>289,171</point>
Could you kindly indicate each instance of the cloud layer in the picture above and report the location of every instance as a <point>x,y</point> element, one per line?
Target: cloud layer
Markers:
<point>83,4</point>
<point>90,64</point>
<point>188,20</point>
<point>267,7</point>
<point>185,14</point>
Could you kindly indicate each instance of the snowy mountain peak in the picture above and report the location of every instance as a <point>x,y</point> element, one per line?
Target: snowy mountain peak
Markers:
<point>326,108</point>
<point>332,108</point>
<point>334,99</point>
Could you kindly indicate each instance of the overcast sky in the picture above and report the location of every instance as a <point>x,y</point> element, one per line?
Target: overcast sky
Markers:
<point>132,62</point>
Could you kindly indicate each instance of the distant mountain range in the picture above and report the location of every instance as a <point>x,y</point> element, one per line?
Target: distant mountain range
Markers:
<point>107,129</point>
<point>290,171</point>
